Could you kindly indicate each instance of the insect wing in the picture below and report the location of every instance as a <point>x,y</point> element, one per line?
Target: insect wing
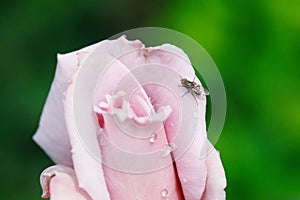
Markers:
<point>205,91</point>
<point>196,90</point>
<point>201,90</point>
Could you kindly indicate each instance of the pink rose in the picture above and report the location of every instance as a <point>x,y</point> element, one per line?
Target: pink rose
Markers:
<point>140,132</point>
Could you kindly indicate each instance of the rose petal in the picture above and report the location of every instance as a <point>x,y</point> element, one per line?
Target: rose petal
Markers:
<point>60,183</point>
<point>216,180</point>
<point>52,133</point>
<point>84,162</point>
<point>191,170</point>
<point>88,169</point>
<point>124,185</point>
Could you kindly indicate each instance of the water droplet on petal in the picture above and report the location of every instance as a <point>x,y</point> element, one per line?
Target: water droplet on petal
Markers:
<point>171,124</point>
<point>102,140</point>
<point>195,114</point>
<point>164,193</point>
<point>153,138</point>
<point>173,146</point>
<point>168,148</point>
<point>184,180</point>
<point>99,131</point>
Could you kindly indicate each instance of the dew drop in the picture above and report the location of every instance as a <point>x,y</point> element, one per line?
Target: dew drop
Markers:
<point>195,114</point>
<point>171,124</point>
<point>99,131</point>
<point>164,193</point>
<point>168,148</point>
<point>184,180</point>
<point>102,140</point>
<point>173,146</point>
<point>153,138</point>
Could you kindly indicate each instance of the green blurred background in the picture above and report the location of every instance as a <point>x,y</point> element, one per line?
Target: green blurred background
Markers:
<point>256,45</point>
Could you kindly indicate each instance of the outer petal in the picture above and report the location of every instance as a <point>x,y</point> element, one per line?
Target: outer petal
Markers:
<point>89,170</point>
<point>60,183</point>
<point>192,170</point>
<point>216,180</point>
<point>52,133</point>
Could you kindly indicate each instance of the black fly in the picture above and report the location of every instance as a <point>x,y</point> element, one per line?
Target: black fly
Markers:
<point>192,87</point>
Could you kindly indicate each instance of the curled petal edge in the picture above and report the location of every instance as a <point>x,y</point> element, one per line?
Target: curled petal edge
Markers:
<point>58,174</point>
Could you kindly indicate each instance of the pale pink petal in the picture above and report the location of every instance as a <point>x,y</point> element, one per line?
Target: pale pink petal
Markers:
<point>216,180</point>
<point>60,183</point>
<point>124,185</point>
<point>52,134</point>
<point>88,170</point>
<point>191,170</point>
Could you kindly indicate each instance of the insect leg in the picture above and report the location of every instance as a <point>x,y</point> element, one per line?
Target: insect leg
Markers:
<point>186,93</point>
<point>195,98</point>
